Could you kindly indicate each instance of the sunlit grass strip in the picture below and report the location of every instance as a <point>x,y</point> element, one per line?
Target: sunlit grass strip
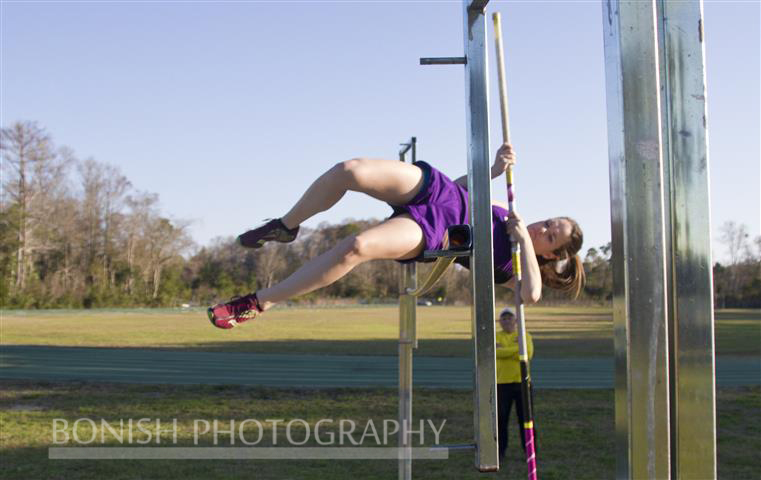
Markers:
<point>443,331</point>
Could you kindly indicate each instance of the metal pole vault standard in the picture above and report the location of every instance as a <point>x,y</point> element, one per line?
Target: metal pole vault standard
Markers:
<point>482,260</point>
<point>528,415</point>
<point>660,219</point>
<point>407,342</point>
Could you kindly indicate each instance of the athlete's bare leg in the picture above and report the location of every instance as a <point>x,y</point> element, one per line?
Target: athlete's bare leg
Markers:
<point>390,181</point>
<point>396,238</point>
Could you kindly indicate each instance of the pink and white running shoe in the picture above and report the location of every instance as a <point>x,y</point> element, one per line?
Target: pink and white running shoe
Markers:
<point>236,311</point>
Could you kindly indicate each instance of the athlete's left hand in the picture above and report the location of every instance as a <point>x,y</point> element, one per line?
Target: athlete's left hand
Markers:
<point>504,158</point>
<point>516,228</point>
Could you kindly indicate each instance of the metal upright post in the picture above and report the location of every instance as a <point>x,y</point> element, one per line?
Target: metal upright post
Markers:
<point>637,215</point>
<point>663,317</point>
<point>688,241</point>
<point>482,262</point>
<point>407,342</point>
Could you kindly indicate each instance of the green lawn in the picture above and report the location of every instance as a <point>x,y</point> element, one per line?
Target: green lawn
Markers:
<point>575,426</point>
<point>444,331</point>
<point>575,430</point>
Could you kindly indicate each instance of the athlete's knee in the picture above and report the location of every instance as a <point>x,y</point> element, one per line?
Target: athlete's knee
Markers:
<point>352,169</point>
<point>356,248</point>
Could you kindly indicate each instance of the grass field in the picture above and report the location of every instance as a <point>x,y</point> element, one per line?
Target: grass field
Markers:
<point>575,430</point>
<point>575,426</point>
<point>443,331</point>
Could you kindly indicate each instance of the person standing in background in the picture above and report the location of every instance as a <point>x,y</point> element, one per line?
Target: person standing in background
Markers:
<point>509,376</point>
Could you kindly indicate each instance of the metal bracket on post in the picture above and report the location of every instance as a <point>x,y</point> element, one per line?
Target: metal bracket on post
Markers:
<point>444,61</point>
<point>476,5</point>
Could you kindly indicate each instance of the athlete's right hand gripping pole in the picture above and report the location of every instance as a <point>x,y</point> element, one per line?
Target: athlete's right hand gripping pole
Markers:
<point>528,416</point>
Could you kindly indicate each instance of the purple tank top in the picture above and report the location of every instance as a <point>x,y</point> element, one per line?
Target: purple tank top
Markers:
<point>503,264</point>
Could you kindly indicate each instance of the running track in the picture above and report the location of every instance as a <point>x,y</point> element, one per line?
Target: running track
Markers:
<point>306,371</point>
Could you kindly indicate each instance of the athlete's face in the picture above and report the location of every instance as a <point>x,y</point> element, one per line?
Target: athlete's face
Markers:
<point>549,235</point>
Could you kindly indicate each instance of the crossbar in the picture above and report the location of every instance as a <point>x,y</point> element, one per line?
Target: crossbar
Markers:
<point>443,61</point>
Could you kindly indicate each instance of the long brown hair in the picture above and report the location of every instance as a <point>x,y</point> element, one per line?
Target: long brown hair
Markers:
<point>565,273</point>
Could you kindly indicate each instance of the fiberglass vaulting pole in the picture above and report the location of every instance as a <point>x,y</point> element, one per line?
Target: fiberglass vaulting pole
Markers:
<point>528,416</point>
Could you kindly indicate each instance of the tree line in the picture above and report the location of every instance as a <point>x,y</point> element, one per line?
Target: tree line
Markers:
<point>77,234</point>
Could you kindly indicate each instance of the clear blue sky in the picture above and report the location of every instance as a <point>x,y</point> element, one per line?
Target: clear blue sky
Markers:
<point>229,110</point>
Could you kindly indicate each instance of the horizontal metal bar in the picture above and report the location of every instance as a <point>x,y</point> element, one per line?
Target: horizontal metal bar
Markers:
<point>446,253</point>
<point>444,61</point>
<point>241,453</point>
<point>455,447</point>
